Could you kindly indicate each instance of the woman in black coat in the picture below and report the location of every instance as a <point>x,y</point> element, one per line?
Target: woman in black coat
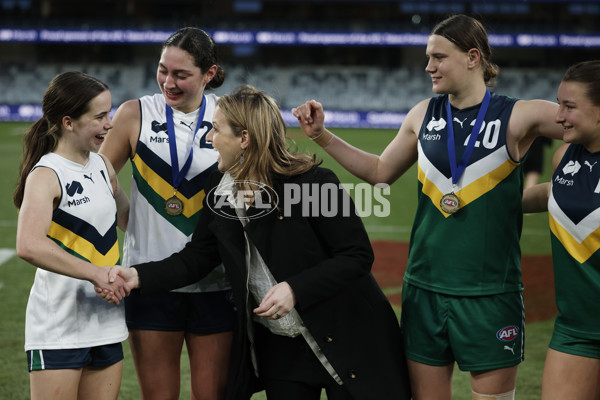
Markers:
<point>310,314</point>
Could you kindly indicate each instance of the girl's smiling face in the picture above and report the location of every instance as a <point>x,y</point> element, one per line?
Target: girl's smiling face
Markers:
<point>181,82</point>
<point>579,117</point>
<point>92,126</point>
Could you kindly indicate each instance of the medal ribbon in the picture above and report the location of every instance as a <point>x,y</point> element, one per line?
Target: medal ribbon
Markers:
<point>457,171</point>
<point>178,174</point>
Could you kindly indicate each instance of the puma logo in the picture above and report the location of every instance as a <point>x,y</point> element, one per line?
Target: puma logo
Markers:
<point>511,349</point>
<point>189,126</point>
<point>459,121</point>
<point>590,165</point>
<point>89,177</point>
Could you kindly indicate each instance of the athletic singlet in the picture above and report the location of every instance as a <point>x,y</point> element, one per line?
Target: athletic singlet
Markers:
<point>574,213</point>
<point>152,234</point>
<point>476,250</point>
<point>64,312</point>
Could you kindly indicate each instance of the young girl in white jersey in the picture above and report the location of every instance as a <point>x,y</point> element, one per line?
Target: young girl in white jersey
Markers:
<point>67,228</point>
<point>164,137</point>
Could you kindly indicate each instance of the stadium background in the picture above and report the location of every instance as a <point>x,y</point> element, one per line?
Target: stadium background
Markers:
<point>364,60</point>
<point>354,56</point>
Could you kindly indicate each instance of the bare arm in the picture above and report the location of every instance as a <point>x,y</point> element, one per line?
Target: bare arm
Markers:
<point>119,144</point>
<point>42,192</point>
<point>530,119</point>
<point>535,198</point>
<point>122,207</point>
<point>120,196</point>
<point>397,158</point>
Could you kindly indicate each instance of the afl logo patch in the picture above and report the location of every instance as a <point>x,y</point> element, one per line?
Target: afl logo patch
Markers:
<point>508,333</point>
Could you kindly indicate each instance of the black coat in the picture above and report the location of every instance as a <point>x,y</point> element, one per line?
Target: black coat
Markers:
<point>325,259</point>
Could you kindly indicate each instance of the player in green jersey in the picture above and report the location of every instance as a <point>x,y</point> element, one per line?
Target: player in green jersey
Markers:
<point>477,194</point>
<point>572,198</point>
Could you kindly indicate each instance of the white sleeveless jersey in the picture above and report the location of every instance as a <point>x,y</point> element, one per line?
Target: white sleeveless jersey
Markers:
<point>64,312</point>
<point>153,234</point>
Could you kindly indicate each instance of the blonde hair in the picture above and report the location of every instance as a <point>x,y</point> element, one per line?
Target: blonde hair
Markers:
<point>252,110</point>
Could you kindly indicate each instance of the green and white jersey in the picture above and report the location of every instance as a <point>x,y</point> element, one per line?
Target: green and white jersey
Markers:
<point>474,251</point>
<point>153,234</point>
<point>574,212</point>
<point>64,312</point>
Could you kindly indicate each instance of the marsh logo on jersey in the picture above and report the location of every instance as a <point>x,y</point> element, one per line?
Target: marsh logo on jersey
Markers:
<point>572,167</point>
<point>158,128</point>
<point>72,189</point>
<point>508,333</point>
<point>434,125</point>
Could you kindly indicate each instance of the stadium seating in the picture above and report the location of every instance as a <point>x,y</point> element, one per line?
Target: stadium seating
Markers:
<point>338,88</point>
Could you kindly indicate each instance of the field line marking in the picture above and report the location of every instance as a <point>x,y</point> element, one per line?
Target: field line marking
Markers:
<point>6,254</point>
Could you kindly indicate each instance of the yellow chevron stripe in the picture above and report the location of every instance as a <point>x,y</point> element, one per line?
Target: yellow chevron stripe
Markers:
<point>165,190</point>
<point>579,251</point>
<point>472,191</point>
<point>83,247</point>
<point>431,190</point>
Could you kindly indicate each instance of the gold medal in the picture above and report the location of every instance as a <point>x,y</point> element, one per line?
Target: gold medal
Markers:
<point>174,206</point>
<point>450,203</point>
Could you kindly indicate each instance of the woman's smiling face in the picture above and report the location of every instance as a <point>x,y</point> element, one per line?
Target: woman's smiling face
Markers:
<point>224,141</point>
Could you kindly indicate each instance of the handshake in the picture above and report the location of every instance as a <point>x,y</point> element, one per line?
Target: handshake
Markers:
<point>116,284</point>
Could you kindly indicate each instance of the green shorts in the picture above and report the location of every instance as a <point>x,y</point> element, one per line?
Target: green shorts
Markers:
<point>565,342</point>
<point>479,333</point>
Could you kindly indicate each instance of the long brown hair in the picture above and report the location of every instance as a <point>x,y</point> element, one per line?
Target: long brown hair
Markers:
<point>68,94</point>
<point>468,33</point>
<point>250,109</point>
<point>201,46</point>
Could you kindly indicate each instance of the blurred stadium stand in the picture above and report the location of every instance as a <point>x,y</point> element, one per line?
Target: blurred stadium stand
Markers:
<point>362,77</point>
<point>343,88</point>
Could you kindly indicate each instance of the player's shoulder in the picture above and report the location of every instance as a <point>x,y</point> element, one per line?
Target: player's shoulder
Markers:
<point>414,118</point>
<point>129,109</point>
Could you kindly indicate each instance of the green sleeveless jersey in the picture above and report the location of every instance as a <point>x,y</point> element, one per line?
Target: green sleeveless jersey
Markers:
<point>474,251</point>
<point>574,212</point>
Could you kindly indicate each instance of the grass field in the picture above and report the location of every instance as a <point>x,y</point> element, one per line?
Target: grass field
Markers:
<point>16,276</point>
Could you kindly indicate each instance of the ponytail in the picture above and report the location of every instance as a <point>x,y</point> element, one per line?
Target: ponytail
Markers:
<point>39,139</point>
